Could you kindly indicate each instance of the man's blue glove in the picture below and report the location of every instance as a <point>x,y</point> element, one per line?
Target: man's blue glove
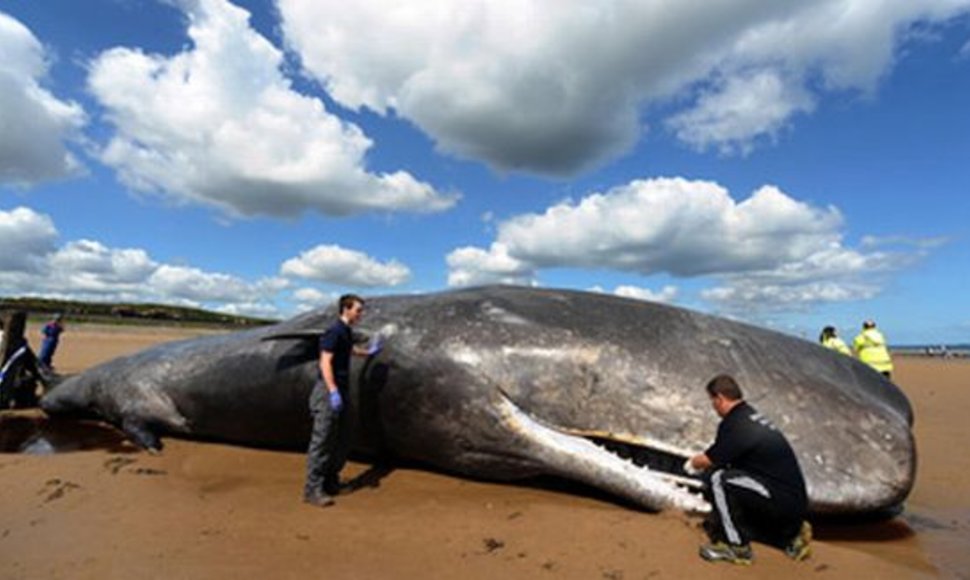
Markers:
<point>375,346</point>
<point>336,401</point>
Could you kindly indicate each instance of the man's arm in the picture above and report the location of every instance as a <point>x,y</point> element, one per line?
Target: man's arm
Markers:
<point>371,348</point>
<point>326,370</point>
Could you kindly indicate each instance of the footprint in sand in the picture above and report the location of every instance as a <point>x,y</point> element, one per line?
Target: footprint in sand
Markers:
<point>115,464</point>
<point>56,488</point>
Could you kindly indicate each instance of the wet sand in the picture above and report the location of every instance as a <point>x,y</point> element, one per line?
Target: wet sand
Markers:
<point>204,510</point>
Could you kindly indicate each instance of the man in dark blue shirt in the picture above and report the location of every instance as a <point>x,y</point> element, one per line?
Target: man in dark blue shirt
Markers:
<point>330,439</point>
<point>755,485</point>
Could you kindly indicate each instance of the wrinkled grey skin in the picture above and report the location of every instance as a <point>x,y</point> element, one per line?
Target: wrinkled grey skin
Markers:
<point>506,383</point>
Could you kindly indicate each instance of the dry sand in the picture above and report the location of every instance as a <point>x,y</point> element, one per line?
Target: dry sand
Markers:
<point>203,510</point>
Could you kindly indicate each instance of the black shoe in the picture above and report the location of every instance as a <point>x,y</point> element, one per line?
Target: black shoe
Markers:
<point>719,551</point>
<point>333,488</point>
<point>318,499</point>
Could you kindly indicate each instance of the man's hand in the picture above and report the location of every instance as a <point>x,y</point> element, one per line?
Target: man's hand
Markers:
<point>375,346</point>
<point>689,468</point>
<point>336,401</point>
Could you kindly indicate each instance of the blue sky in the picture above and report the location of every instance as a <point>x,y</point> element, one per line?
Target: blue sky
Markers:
<point>788,164</point>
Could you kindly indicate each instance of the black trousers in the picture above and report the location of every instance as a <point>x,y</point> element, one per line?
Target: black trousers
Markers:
<point>744,508</point>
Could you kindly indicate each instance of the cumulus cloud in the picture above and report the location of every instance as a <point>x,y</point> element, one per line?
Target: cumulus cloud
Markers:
<point>830,274</point>
<point>88,270</point>
<point>673,225</point>
<point>313,298</point>
<point>667,294</point>
<point>531,85</point>
<point>25,237</point>
<point>731,115</point>
<point>36,124</point>
<point>254,309</point>
<point>748,295</point>
<point>219,124</point>
<point>470,266</point>
<point>310,295</point>
<point>767,251</point>
<point>343,267</point>
<point>195,284</point>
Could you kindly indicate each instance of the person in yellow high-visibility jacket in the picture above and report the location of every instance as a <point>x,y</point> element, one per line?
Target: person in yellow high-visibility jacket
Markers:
<point>870,347</point>
<point>830,339</point>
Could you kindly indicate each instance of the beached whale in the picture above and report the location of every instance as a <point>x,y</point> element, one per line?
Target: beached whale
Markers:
<point>506,383</point>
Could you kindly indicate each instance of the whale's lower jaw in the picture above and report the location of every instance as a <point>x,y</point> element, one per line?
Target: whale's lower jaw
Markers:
<point>646,478</point>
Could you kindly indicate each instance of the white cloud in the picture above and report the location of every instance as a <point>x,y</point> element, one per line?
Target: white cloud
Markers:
<point>311,296</point>
<point>343,267</point>
<point>539,86</point>
<point>741,109</point>
<point>88,270</point>
<point>195,284</point>
<point>766,251</point>
<point>25,237</point>
<point>109,265</point>
<point>685,228</point>
<point>219,124</point>
<point>829,274</point>
<point>470,266</point>
<point>35,124</point>
<point>254,309</point>
<point>751,296</point>
<point>667,294</point>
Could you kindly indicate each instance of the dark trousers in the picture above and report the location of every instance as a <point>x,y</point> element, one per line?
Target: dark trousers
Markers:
<point>743,508</point>
<point>329,441</point>
<point>47,349</point>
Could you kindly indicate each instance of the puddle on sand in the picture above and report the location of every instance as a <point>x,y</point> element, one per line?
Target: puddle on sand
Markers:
<point>33,433</point>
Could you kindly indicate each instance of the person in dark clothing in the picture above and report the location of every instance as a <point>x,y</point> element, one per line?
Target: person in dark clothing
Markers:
<point>52,336</point>
<point>19,372</point>
<point>329,404</point>
<point>752,481</point>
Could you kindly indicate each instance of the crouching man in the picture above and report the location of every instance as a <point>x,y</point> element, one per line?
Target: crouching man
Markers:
<point>753,482</point>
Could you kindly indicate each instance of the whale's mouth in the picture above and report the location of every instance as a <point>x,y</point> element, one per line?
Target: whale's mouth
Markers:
<point>649,474</point>
<point>669,464</point>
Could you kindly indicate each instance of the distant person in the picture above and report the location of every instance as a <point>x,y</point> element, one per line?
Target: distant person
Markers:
<point>753,482</point>
<point>870,347</point>
<point>52,336</point>
<point>329,404</point>
<point>830,339</point>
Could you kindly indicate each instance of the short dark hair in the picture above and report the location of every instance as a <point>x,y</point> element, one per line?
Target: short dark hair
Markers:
<point>347,302</point>
<point>827,332</point>
<point>726,386</point>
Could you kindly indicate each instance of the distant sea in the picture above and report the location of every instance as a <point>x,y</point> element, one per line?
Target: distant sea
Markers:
<point>957,350</point>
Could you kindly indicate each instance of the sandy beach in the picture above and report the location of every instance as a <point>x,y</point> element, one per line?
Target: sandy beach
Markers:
<point>204,510</point>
